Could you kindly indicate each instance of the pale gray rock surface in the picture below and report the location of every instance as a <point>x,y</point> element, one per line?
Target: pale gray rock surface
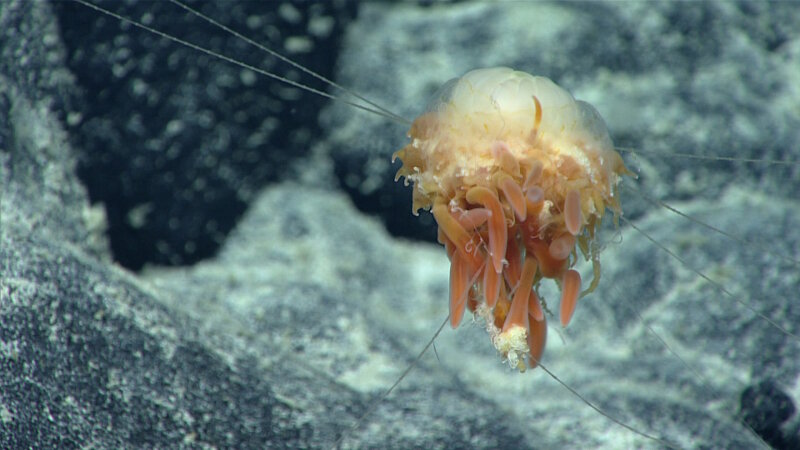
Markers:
<point>310,310</point>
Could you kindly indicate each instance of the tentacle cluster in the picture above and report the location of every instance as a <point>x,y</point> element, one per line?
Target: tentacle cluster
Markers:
<point>518,175</point>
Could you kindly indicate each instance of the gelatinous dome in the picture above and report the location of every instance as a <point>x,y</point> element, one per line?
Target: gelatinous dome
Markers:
<point>454,138</point>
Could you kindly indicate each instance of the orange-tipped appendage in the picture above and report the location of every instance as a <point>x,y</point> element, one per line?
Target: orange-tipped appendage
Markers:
<point>537,119</point>
<point>550,266</point>
<point>535,308</point>
<point>514,268</point>
<point>471,219</point>
<point>572,212</point>
<point>537,338</point>
<point>535,194</point>
<point>570,289</point>
<point>465,243</point>
<point>534,175</point>
<point>562,246</point>
<point>451,228</point>
<point>514,195</point>
<point>518,315</point>
<point>501,309</point>
<point>505,160</point>
<point>491,285</point>
<point>498,233</point>
<point>459,287</point>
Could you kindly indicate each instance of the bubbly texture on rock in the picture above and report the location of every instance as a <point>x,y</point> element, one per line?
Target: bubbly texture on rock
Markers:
<point>517,174</point>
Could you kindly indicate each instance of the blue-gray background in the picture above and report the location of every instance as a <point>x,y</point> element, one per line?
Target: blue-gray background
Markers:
<point>289,306</point>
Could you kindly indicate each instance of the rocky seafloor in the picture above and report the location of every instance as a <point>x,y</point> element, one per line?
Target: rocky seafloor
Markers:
<point>281,323</point>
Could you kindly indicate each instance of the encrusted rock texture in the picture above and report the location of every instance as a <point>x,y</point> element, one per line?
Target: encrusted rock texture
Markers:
<point>194,257</point>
